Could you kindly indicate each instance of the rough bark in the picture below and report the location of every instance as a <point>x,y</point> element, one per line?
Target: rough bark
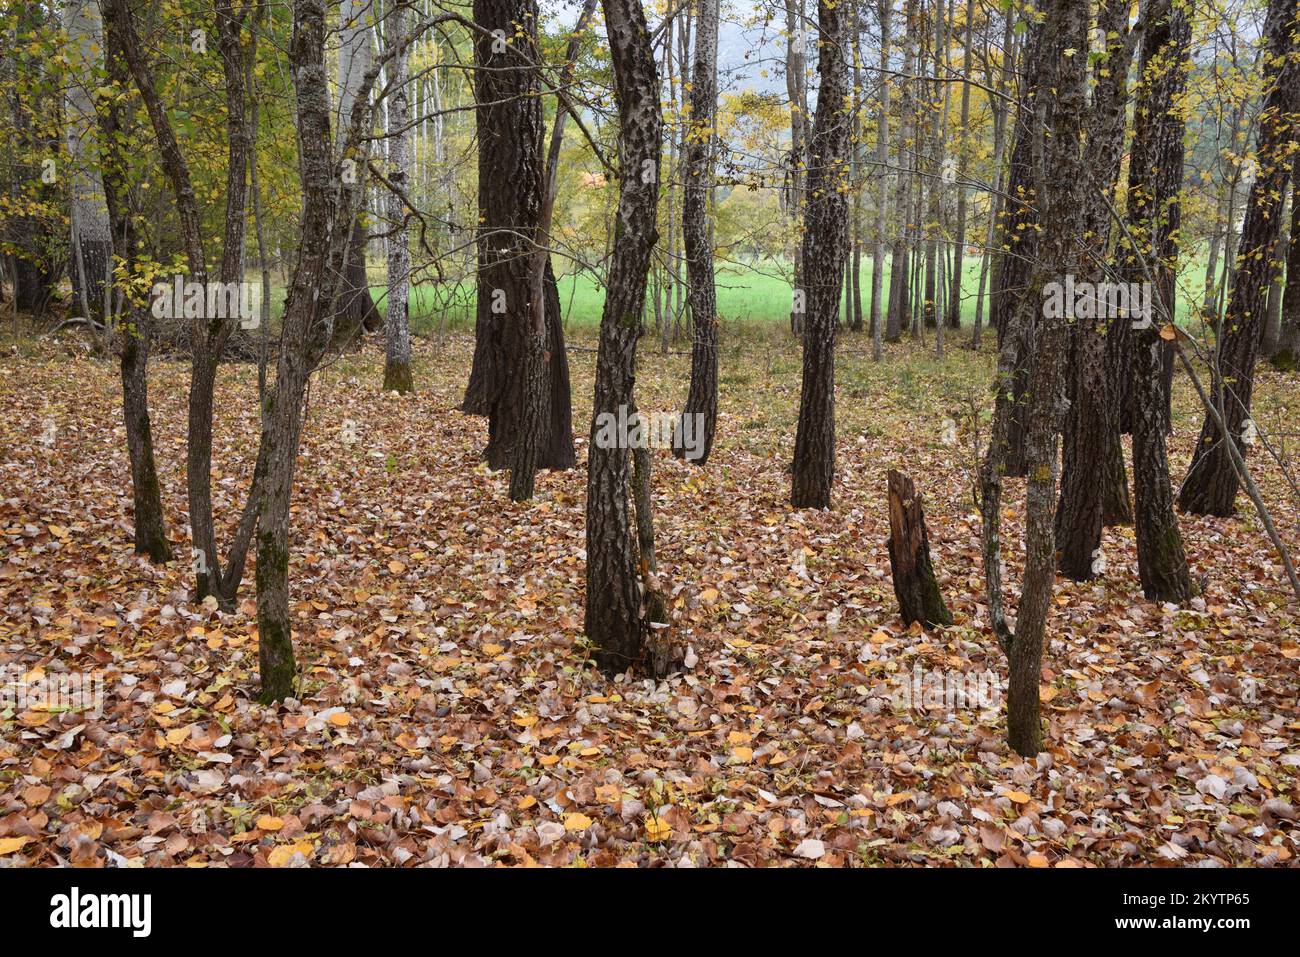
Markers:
<point>1091,433</point>
<point>133,322</point>
<point>1153,220</point>
<point>614,620</point>
<point>915,585</point>
<point>1018,240</point>
<point>356,307</point>
<point>823,255</point>
<point>1212,481</point>
<point>397,326</point>
<point>697,234</point>
<point>508,120</point>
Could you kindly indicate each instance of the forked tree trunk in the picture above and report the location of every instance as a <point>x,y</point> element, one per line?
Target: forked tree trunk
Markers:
<point>1211,484</point>
<point>697,234</point>
<point>1091,434</point>
<point>614,620</point>
<point>511,378</point>
<point>915,586</point>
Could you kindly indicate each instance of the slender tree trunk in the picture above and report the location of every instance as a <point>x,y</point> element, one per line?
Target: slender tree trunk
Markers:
<point>614,620</point>
<point>796,90</point>
<point>1018,250</point>
<point>697,233</point>
<point>91,250</point>
<point>356,306</point>
<point>134,323</point>
<point>963,163</point>
<point>1062,190</point>
<point>1211,484</point>
<point>1153,221</point>
<point>397,328</point>
<point>1287,355</point>
<point>825,212</point>
<point>882,196</point>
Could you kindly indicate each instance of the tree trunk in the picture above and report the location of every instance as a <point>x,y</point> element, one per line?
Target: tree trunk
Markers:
<point>1287,355</point>
<point>1211,484</point>
<point>882,197</point>
<point>356,306</point>
<point>614,620</point>
<point>1153,220</point>
<point>135,325</point>
<point>397,328</point>
<point>1018,250</point>
<point>915,586</point>
<point>697,232</point>
<point>823,256</point>
<point>796,90</point>
<point>91,253</point>
<point>1091,433</point>
<point>510,199</point>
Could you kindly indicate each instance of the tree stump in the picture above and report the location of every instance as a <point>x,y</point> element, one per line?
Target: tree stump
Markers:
<point>915,586</point>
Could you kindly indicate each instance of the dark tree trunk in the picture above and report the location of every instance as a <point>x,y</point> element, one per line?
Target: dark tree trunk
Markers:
<point>915,586</point>
<point>823,256</point>
<point>1153,220</point>
<point>1018,239</point>
<point>697,233</point>
<point>1091,433</point>
<point>135,330</point>
<point>508,120</point>
<point>1211,484</point>
<point>614,619</point>
<point>1058,179</point>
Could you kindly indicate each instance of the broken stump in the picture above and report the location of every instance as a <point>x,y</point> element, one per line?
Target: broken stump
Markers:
<point>915,586</point>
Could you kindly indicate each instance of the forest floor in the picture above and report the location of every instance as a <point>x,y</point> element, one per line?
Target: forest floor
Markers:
<point>449,712</point>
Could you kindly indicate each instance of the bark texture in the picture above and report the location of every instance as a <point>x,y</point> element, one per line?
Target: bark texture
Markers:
<point>823,256</point>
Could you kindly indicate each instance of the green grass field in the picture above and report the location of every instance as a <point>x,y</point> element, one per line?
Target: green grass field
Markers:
<point>745,295</point>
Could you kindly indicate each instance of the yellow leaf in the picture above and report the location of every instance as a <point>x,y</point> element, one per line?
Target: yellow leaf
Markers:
<point>268,823</point>
<point>340,719</point>
<point>1037,860</point>
<point>577,822</point>
<point>656,828</point>
<point>526,802</point>
<point>10,844</point>
<point>396,567</point>
<point>1017,797</point>
<point>742,755</point>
